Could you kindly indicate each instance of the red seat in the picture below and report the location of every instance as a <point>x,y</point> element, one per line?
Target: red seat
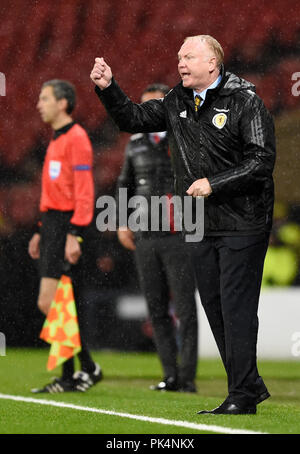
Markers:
<point>23,204</point>
<point>61,40</point>
<point>108,164</point>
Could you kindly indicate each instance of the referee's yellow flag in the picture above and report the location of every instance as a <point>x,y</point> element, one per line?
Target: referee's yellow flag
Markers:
<point>61,328</point>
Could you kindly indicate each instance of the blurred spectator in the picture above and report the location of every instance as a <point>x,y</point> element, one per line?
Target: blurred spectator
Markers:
<point>283,256</point>
<point>162,260</point>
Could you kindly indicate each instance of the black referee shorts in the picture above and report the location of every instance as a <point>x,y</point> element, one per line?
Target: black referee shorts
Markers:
<point>52,246</point>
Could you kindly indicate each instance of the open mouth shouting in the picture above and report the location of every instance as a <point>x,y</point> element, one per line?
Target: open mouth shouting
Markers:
<point>185,75</point>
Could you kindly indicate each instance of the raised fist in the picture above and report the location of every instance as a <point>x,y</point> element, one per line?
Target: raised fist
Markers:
<point>101,73</point>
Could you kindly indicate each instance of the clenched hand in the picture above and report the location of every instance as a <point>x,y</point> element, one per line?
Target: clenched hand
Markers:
<point>101,73</point>
<point>200,188</point>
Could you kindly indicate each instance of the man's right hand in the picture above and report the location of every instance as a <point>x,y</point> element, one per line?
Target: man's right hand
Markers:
<point>34,246</point>
<point>101,73</point>
<point>126,238</point>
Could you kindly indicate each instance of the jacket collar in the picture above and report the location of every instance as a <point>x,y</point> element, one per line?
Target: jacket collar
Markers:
<point>230,83</point>
<point>63,130</point>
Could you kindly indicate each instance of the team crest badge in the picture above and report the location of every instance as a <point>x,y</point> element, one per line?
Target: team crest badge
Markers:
<point>219,120</point>
<point>54,169</point>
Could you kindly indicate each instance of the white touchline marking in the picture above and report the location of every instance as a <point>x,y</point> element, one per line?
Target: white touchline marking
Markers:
<point>169,422</point>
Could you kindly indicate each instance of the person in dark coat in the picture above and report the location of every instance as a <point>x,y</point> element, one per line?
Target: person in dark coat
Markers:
<point>163,264</point>
<point>222,144</point>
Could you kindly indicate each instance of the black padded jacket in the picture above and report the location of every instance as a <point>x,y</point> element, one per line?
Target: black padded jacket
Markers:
<point>147,171</point>
<point>230,141</point>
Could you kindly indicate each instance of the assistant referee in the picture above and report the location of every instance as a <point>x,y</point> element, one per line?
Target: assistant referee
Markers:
<point>66,205</point>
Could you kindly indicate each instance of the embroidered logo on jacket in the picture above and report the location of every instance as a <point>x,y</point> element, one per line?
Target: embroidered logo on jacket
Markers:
<point>219,120</point>
<point>183,114</point>
<point>54,169</point>
<point>220,110</point>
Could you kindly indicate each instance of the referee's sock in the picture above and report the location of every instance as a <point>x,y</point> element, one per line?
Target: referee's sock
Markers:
<point>68,369</point>
<point>87,364</point>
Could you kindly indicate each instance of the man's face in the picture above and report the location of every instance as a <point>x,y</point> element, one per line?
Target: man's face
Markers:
<point>152,95</point>
<point>48,106</point>
<point>195,64</point>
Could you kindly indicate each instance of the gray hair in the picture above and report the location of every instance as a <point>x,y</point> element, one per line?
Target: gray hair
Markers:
<point>213,45</point>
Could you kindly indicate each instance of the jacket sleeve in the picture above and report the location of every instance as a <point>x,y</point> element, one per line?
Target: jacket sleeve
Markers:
<point>82,161</point>
<point>258,145</point>
<point>130,117</point>
<point>126,180</point>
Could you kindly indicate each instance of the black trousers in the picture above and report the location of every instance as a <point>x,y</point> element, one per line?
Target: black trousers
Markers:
<point>165,272</point>
<point>228,274</point>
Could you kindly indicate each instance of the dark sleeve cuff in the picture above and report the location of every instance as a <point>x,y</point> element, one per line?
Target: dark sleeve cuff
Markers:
<point>76,230</point>
<point>37,227</point>
<point>106,90</point>
<point>112,95</point>
<point>213,184</point>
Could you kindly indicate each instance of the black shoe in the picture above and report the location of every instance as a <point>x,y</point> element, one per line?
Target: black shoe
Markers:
<point>263,396</point>
<point>85,380</point>
<point>58,385</point>
<point>188,387</point>
<point>167,384</point>
<point>230,408</point>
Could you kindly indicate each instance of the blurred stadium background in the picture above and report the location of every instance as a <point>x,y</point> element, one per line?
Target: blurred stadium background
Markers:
<point>42,40</point>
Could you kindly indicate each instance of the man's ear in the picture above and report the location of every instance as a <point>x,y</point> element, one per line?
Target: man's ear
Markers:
<point>212,64</point>
<point>63,103</point>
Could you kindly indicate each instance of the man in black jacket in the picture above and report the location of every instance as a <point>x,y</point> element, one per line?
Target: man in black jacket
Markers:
<point>162,259</point>
<point>222,144</point>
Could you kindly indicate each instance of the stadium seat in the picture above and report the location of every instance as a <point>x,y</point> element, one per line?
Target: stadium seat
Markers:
<point>108,164</point>
<point>23,204</point>
<point>62,39</point>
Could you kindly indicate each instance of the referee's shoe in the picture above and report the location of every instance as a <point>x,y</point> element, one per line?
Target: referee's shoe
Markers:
<point>81,381</point>
<point>60,385</point>
<point>87,380</point>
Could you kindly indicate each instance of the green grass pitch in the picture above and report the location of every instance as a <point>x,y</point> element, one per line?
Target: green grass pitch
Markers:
<point>125,389</point>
